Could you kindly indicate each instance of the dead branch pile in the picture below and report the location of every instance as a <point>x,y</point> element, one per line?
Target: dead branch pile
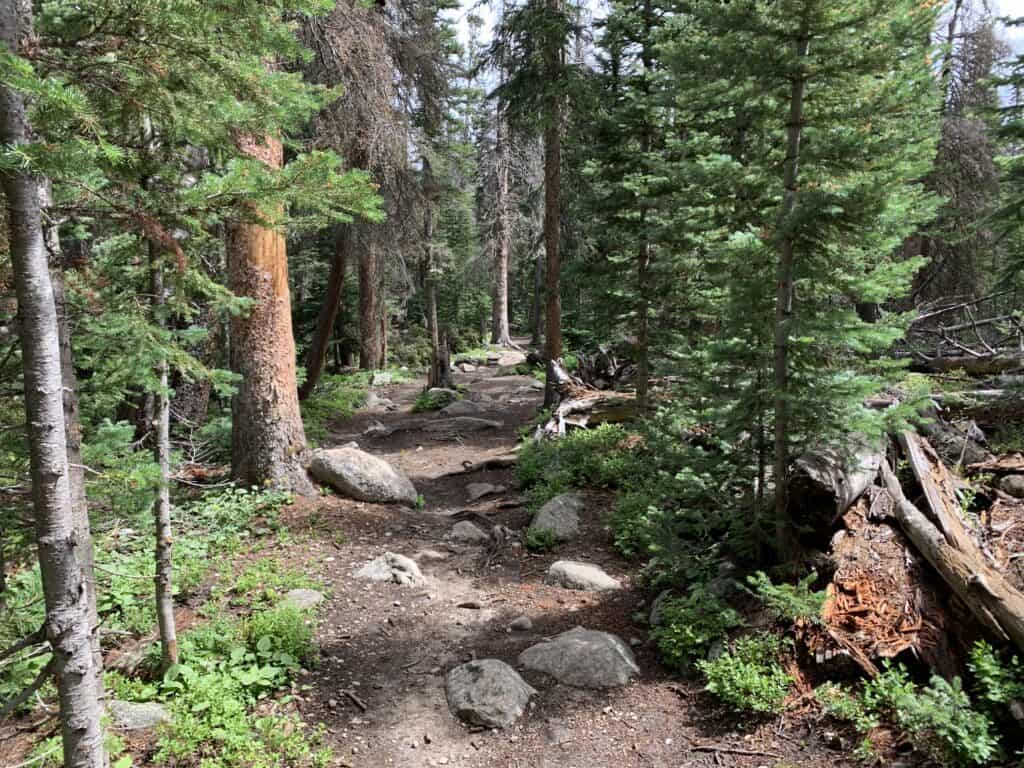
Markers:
<point>582,405</point>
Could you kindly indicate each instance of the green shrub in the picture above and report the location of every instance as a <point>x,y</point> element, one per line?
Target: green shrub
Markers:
<point>335,398</point>
<point>749,677</point>
<point>284,630</point>
<point>264,580</point>
<point>789,602</point>
<point>998,681</point>
<point>689,625</point>
<point>938,717</point>
<point>540,540</point>
<point>434,400</point>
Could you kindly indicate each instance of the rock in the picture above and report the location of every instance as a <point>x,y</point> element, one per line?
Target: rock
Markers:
<point>654,619</point>
<point>303,599</point>
<point>511,358</point>
<point>561,516</point>
<point>1013,485</point>
<point>375,402</point>
<point>461,424</point>
<point>476,491</point>
<point>430,555</point>
<point>584,658</point>
<point>362,476</point>
<point>461,408</point>
<point>138,716</point>
<point>441,396</point>
<point>575,575</point>
<point>375,429</point>
<point>391,567</point>
<point>556,733</point>
<point>469,533</point>
<point>487,692</point>
<point>380,379</point>
<point>467,367</point>
<point>521,624</point>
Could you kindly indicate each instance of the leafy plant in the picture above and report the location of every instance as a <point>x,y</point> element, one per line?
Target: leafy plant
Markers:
<point>689,625</point>
<point>749,677</point>
<point>284,630</point>
<point>789,602</point>
<point>540,539</point>
<point>434,400</point>
<point>335,398</point>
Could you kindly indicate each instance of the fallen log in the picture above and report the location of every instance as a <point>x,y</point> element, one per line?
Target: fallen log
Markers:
<point>581,406</point>
<point>955,557</point>
<point>834,477</point>
<point>982,365</point>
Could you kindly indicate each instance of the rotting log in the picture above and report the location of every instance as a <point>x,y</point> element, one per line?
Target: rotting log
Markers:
<point>955,557</point>
<point>581,406</point>
<point>835,476</point>
<point>982,365</point>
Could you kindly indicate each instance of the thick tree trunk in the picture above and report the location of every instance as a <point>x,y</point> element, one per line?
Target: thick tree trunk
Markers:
<point>73,433</point>
<point>371,341</point>
<point>163,579</point>
<point>67,610</point>
<point>328,312</point>
<point>554,55</point>
<point>784,306</point>
<point>268,441</point>
<point>502,240</point>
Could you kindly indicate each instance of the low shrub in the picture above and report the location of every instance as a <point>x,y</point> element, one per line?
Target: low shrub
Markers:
<point>749,677</point>
<point>282,630</point>
<point>540,540</point>
<point>789,602</point>
<point>434,400</point>
<point>689,625</point>
<point>335,398</point>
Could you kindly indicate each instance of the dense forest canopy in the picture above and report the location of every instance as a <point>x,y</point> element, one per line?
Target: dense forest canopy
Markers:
<point>676,344</point>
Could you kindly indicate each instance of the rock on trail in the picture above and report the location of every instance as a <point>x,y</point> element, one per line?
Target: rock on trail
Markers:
<point>560,516</point>
<point>362,476</point>
<point>575,575</point>
<point>138,716</point>
<point>583,658</point>
<point>487,692</point>
<point>392,567</point>
<point>469,533</point>
<point>303,599</point>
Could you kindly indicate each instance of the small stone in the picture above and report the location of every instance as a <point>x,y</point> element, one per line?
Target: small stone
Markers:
<point>394,568</point>
<point>469,533</point>
<point>635,642</point>
<point>332,703</point>
<point>303,599</point>
<point>576,575</point>
<point>521,624</point>
<point>138,716</point>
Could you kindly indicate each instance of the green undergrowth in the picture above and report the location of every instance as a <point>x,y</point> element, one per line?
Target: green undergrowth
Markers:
<point>434,400</point>
<point>748,677</point>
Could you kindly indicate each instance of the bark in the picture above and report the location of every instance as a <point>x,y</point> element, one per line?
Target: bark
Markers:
<point>73,431</point>
<point>371,342</point>
<point>961,564</point>
<point>440,373</point>
<point>643,258</point>
<point>784,305</point>
<point>328,313</point>
<point>833,478</point>
<point>580,406</point>
<point>268,441</point>
<point>537,331</point>
<point>502,239</point>
<point>554,56</point>
<point>163,578</point>
<point>982,365</point>
<point>67,610</point>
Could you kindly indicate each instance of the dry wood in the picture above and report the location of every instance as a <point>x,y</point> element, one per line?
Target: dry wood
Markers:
<point>836,475</point>
<point>984,365</point>
<point>989,597</point>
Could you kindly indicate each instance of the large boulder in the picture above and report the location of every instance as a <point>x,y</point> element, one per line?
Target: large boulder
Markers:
<point>362,476</point>
<point>560,516</point>
<point>584,658</point>
<point>572,574</point>
<point>487,692</point>
<point>394,568</point>
<point>137,716</point>
<point>461,408</point>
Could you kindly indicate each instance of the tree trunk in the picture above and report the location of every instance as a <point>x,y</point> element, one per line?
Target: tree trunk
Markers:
<point>502,239</point>
<point>554,55</point>
<point>328,313</point>
<point>537,331</point>
<point>784,306</point>
<point>643,257</point>
<point>67,610</point>
<point>268,441</point>
<point>73,432</point>
<point>163,578</point>
<point>829,480</point>
<point>370,336</point>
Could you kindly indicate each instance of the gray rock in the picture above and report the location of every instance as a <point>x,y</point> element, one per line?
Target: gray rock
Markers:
<point>443,396</point>
<point>511,358</point>
<point>584,658</point>
<point>380,379</point>
<point>138,716</point>
<point>561,516</point>
<point>461,408</point>
<point>391,567</point>
<point>461,424</point>
<point>1013,485</point>
<point>375,402</point>
<point>487,692</point>
<point>575,575</point>
<point>375,429</point>
<point>521,624</point>
<point>556,733</point>
<point>362,476</point>
<point>469,533</point>
<point>303,599</point>
<point>467,367</point>
<point>654,619</point>
<point>476,491</point>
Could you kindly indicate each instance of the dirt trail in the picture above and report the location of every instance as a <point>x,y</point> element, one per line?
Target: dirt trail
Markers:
<point>388,648</point>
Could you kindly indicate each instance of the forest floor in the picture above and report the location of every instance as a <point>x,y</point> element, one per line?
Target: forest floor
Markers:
<point>391,646</point>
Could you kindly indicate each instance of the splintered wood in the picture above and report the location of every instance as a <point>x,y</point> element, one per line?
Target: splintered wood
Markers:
<point>882,601</point>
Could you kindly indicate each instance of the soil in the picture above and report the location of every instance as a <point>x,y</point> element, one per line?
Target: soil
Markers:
<point>378,689</point>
